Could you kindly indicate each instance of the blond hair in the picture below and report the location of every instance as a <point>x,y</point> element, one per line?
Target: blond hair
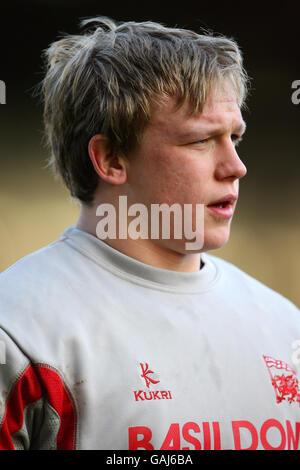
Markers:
<point>105,81</point>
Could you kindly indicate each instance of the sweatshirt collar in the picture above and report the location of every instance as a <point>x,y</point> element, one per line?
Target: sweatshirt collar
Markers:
<point>135,271</point>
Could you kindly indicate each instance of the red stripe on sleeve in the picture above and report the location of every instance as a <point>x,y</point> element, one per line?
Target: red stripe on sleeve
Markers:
<point>35,382</point>
<point>26,390</point>
<point>60,399</point>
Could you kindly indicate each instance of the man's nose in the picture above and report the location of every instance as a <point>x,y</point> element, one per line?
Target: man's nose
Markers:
<point>229,163</point>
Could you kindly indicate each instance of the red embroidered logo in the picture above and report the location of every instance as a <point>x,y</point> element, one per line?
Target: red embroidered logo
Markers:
<point>145,374</point>
<point>144,395</point>
<point>284,380</point>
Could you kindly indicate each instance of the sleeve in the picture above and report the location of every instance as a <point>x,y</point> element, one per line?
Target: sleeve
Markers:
<point>36,409</point>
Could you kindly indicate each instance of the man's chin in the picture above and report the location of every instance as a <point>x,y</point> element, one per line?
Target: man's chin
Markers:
<point>213,239</point>
<point>192,247</point>
<point>216,241</point>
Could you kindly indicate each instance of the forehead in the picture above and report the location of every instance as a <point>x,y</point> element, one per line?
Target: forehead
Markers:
<point>220,112</point>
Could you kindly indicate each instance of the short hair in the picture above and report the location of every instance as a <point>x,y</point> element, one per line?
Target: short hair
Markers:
<point>105,81</point>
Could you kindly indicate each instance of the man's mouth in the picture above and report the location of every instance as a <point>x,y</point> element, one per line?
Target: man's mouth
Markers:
<point>223,207</point>
<point>220,204</point>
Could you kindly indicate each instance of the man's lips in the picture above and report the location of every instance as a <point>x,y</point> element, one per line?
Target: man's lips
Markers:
<point>228,198</point>
<point>223,207</point>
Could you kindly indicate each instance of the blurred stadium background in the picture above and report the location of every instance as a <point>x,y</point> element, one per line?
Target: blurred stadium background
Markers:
<point>35,208</point>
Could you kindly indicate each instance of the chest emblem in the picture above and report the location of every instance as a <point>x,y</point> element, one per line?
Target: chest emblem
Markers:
<point>145,374</point>
<point>284,380</point>
<point>151,380</point>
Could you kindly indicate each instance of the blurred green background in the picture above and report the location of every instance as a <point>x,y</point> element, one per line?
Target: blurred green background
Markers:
<point>35,208</point>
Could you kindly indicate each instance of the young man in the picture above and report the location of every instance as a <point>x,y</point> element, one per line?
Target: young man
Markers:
<point>145,342</point>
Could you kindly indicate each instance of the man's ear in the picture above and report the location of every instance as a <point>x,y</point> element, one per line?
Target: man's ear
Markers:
<point>110,165</point>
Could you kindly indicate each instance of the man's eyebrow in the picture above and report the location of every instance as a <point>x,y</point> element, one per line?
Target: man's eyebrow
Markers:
<point>194,133</point>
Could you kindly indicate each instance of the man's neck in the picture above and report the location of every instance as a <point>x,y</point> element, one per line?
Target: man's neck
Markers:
<point>151,252</point>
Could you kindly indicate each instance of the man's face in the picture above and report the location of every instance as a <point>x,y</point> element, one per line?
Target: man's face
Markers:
<point>191,159</point>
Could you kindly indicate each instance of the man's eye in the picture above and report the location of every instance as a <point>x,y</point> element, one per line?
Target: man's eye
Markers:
<point>201,142</point>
